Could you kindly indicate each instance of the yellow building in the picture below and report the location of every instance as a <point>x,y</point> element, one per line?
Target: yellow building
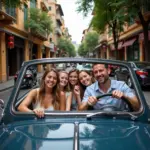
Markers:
<point>130,46</point>
<point>12,25</point>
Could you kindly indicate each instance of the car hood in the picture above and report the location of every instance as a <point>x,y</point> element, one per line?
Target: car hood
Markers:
<point>86,135</point>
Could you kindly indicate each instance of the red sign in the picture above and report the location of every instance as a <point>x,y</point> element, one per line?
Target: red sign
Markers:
<point>11,42</point>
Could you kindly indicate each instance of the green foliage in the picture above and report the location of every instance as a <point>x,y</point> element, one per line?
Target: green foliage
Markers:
<point>67,46</point>
<point>81,50</point>
<point>39,22</point>
<point>108,12</point>
<point>84,6</point>
<point>13,3</point>
<point>91,41</point>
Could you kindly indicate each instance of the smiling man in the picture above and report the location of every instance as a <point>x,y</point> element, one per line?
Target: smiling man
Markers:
<point>104,85</point>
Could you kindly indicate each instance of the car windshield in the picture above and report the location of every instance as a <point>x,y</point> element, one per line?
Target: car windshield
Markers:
<point>78,84</point>
<point>142,65</point>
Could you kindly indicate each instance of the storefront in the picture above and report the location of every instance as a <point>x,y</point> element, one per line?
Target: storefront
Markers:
<point>132,49</point>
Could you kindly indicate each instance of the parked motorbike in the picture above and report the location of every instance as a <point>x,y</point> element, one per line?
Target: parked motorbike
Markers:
<point>30,78</point>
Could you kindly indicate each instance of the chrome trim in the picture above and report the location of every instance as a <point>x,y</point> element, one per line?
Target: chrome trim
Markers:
<point>76,136</point>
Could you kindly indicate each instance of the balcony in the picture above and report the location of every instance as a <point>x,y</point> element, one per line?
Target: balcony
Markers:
<point>44,5</point>
<point>58,31</point>
<point>59,19</point>
<point>102,38</point>
<point>8,15</point>
<point>39,36</point>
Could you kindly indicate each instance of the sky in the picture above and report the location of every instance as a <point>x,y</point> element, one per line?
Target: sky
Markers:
<point>74,21</point>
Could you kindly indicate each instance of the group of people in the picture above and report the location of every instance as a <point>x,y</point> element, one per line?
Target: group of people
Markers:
<point>77,90</point>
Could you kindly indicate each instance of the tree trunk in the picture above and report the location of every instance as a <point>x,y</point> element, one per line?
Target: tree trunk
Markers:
<point>146,38</point>
<point>115,39</point>
<point>146,42</point>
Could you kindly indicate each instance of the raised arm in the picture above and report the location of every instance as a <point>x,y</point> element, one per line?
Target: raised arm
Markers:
<point>69,101</point>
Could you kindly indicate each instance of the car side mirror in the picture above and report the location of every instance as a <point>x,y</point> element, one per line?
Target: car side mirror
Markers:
<point>1,108</point>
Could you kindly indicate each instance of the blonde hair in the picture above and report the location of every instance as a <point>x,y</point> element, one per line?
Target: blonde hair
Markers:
<point>66,88</point>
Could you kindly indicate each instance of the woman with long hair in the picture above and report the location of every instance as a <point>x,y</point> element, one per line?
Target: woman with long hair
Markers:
<point>72,102</point>
<point>46,97</point>
<point>62,86</point>
<point>85,80</point>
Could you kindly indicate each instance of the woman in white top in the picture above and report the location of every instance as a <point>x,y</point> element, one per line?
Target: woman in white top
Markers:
<point>62,85</point>
<point>46,97</point>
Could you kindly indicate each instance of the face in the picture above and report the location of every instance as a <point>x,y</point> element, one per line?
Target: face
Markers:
<point>73,78</point>
<point>51,79</point>
<point>85,78</point>
<point>101,73</point>
<point>63,78</point>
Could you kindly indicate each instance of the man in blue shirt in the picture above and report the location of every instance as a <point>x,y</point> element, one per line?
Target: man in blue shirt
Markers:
<point>104,85</point>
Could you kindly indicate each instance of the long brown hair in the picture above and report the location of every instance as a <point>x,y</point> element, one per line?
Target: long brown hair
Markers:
<point>56,102</point>
<point>82,87</point>
<point>71,71</point>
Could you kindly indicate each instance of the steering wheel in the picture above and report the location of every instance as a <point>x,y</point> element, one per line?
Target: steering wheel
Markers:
<point>110,107</point>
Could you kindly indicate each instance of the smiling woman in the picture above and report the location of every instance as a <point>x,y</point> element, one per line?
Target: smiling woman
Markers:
<point>107,103</point>
<point>44,98</point>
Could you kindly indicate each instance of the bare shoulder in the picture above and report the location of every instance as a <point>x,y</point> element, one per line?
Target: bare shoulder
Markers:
<point>33,92</point>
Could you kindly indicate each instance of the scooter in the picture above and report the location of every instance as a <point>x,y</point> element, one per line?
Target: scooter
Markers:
<point>30,78</point>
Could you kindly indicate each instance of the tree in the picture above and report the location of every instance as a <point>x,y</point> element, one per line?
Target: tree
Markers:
<point>13,3</point>
<point>39,22</point>
<point>91,41</point>
<point>105,13</point>
<point>136,8</point>
<point>81,50</point>
<point>65,46</point>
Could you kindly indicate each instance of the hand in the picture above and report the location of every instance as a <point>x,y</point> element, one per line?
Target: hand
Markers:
<point>39,112</point>
<point>117,94</point>
<point>92,100</point>
<point>77,90</point>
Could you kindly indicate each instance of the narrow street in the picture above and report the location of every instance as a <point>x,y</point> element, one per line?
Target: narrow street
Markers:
<point>5,94</point>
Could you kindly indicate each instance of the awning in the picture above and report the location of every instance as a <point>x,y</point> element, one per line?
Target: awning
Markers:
<point>129,43</point>
<point>112,47</point>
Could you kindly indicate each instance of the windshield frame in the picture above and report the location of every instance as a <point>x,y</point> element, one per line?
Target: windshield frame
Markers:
<point>12,100</point>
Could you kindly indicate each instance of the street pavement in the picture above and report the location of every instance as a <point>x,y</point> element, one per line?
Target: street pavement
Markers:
<point>10,83</point>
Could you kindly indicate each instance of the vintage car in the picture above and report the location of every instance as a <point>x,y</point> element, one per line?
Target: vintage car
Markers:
<point>74,130</point>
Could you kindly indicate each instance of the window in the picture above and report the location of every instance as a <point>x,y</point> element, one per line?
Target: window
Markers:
<point>11,11</point>
<point>50,8</point>
<point>131,21</point>
<point>25,13</point>
<point>33,4</point>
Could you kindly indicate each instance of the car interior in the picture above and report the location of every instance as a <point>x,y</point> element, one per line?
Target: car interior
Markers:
<point>24,90</point>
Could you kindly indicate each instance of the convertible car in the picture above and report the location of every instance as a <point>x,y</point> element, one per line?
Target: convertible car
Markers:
<point>74,130</point>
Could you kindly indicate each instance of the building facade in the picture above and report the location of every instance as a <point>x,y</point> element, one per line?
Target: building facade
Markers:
<point>26,46</point>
